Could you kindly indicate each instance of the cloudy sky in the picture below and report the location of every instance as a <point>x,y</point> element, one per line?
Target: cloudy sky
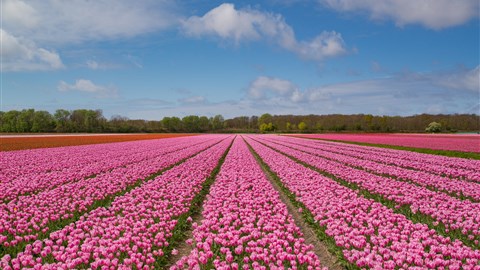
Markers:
<point>150,59</point>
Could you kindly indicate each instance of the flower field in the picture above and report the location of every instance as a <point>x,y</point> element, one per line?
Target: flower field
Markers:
<point>463,143</point>
<point>237,202</point>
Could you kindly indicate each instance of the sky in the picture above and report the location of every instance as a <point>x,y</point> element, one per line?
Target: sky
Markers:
<point>149,59</point>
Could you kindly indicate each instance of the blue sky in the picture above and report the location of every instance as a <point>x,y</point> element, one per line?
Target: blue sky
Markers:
<point>151,59</point>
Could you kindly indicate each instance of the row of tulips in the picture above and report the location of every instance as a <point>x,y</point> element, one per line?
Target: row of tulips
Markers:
<point>460,216</point>
<point>26,217</point>
<point>42,160</point>
<point>245,224</point>
<point>133,231</point>
<point>370,234</point>
<point>459,168</point>
<point>454,187</point>
<point>88,162</point>
<point>453,142</point>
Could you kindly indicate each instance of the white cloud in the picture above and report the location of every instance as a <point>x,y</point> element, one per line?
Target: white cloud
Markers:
<point>93,65</point>
<point>262,86</point>
<point>401,94</point>
<point>88,86</point>
<point>73,21</point>
<point>19,54</point>
<point>29,27</point>
<point>433,14</point>
<point>193,100</point>
<point>463,80</point>
<point>228,23</point>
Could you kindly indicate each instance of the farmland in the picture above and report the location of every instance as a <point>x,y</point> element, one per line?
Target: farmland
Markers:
<point>237,202</point>
<point>20,142</point>
<point>453,142</point>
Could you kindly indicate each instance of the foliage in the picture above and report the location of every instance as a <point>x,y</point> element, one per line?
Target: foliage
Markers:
<point>302,126</point>
<point>433,127</point>
<point>83,120</point>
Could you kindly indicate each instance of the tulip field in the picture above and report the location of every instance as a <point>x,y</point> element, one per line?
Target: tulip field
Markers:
<point>237,202</point>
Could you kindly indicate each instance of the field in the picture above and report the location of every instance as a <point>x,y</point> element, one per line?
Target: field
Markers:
<point>237,202</point>
<point>19,142</point>
<point>451,142</point>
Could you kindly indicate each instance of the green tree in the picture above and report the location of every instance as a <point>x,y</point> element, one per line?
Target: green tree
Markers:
<point>217,122</point>
<point>433,127</point>
<point>302,126</point>
<point>25,120</point>
<point>43,122</point>
<point>62,120</point>
<point>264,119</point>
<point>203,124</point>
<point>9,121</point>
<point>191,123</point>
<point>267,127</point>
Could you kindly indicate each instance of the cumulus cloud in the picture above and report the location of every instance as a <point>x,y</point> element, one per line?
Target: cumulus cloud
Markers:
<point>19,54</point>
<point>405,94</point>
<point>78,20</point>
<point>193,100</point>
<point>464,80</point>
<point>244,25</point>
<point>87,86</point>
<point>29,28</point>
<point>433,14</point>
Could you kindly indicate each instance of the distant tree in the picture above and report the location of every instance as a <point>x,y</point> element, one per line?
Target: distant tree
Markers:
<point>302,126</point>
<point>25,120</point>
<point>203,124</point>
<point>43,122</point>
<point>264,119</point>
<point>267,127</point>
<point>433,127</point>
<point>191,123</point>
<point>62,120</point>
<point>217,122</point>
<point>9,121</point>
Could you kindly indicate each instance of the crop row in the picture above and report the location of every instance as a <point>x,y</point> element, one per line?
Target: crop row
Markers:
<point>133,231</point>
<point>465,143</point>
<point>440,165</point>
<point>72,164</point>
<point>461,217</point>
<point>26,217</point>
<point>246,225</point>
<point>455,187</point>
<point>369,234</point>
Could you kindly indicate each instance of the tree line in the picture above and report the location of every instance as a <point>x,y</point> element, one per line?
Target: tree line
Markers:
<point>93,121</point>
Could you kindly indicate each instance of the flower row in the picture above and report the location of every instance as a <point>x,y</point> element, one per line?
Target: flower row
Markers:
<point>132,231</point>
<point>466,143</point>
<point>455,214</point>
<point>422,178</point>
<point>245,224</point>
<point>71,165</point>
<point>440,165</point>
<point>24,218</point>
<point>369,234</point>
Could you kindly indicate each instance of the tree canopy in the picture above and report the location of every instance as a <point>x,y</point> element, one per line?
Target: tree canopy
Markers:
<point>83,120</point>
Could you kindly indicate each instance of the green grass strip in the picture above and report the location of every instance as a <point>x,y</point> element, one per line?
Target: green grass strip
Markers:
<point>403,210</point>
<point>307,215</point>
